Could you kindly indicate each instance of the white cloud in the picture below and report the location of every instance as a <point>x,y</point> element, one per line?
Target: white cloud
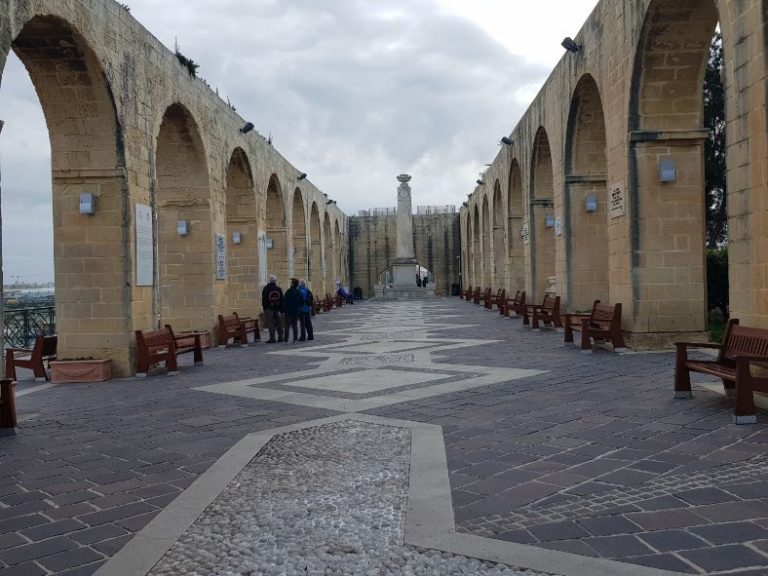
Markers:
<point>353,92</point>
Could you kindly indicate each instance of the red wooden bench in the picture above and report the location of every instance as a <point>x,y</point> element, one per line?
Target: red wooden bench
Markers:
<point>476,296</point>
<point>339,301</point>
<point>482,297</point>
<point>33,358</point>
<point>493,299</point>
<point>317,306</point>
<point>237,329</point>
<point>603,323</point>
<point>328,302</point>
<point>516,304</point>
<point>741,348</point>
<point>547,313</point>
<point>466,294</point>
<point>7,406</point>
<point>155,346</point>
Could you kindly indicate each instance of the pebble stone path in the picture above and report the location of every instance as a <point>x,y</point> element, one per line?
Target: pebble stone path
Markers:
<point>324,501</point>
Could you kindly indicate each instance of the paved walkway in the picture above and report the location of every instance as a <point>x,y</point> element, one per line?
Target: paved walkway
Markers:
<point>535,455</point>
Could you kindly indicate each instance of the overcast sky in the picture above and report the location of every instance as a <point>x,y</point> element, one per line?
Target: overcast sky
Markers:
<point>353,92</point>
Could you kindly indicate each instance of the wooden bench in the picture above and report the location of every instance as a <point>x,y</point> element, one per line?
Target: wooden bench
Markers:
<point>237,329</point>
<point>33,358</point>
<point>7,406</point>
<point>481,297</point>
<point>155,346</point>
<point>317,306</point>
<point>339,300</point>
<point>742,346</point>
<point>476,295</point>
<point>493,299</point>
<point>547,313</point>
<point>516,304</point>
<point>603,323</point>
<point>328,302</point>
<point>466,294</point>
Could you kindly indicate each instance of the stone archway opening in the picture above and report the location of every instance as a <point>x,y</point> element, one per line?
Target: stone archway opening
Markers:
<point>515,216</point>
<point>338,253</point>
<point>316,251</point>
<point>486,244</point>
<point>185,228</point>
<point>328,274</point>
<point>242,234</point>
<point>277,234</point>
<point>499,255</point>
<point>92,281</point>
<point>542,217</point>
<point>667,178</point>
<point>477,268</point>
<point>586,198</point>
<point>300,252</point>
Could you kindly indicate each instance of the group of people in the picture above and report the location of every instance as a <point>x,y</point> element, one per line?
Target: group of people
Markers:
<point>284,313</point>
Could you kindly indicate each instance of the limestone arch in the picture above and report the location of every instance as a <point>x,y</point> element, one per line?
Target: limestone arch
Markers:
<point>242,235</point>
<point>586,198</point>
<point>338,252</point>
<point>486,244</point>
<point>499,253</point>
<point>277,232</point>
<point>327,254</point>
<point>316,250</point>
<point>515,217</point>
<point>541,218</point>
<point>186,257</point>
<point>92,270</point>
<point>299,230</point>
<point>667,220</point>
<point>477,267</point>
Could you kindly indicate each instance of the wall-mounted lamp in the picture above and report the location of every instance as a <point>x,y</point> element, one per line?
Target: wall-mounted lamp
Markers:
<point>591,204</point>
<point>247,128</point>
<point>549,221</point>
<point>237,238</point>
<point>182,227</point>
<point>465,204</point>
<point>480,183</point>
<point>507,141</point>
<point>87,203</point>
<point>667,170</point>
<point>570,45</point>
<point>302,176</point>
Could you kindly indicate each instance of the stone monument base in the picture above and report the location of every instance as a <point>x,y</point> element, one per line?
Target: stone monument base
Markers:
<point>404,292</point>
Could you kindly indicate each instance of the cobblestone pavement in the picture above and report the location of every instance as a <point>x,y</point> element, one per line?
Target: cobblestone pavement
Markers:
<point>546,446</point>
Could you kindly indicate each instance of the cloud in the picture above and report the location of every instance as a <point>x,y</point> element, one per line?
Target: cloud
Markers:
<point>353,93</point>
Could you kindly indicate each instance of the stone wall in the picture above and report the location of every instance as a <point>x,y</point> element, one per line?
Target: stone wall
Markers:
<point>372,248</point>
<point>602,126</point>
<point>130,125</point>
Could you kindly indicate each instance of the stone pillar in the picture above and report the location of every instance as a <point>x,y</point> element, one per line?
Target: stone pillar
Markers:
<point>2,296</point>
<point>404,269</point>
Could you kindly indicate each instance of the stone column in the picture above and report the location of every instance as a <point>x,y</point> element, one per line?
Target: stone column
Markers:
<point>2,309</point>
<point>404,269</point>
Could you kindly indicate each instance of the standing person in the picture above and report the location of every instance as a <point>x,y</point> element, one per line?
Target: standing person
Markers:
<point>305,313</point>
<point>292,306</point>
<point>272,302</point>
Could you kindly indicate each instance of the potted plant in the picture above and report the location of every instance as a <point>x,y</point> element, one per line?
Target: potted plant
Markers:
<point>81,370</point>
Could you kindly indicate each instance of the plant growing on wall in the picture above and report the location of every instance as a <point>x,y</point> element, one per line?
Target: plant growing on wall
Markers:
<point>188,63</point>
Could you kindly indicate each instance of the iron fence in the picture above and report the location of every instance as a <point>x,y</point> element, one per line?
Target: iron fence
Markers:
<point>23,325</point>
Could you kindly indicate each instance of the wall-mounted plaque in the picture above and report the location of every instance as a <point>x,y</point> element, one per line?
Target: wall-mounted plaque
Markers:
<point>221,257</point>
<point>618,201</point>
<point>145,246</point>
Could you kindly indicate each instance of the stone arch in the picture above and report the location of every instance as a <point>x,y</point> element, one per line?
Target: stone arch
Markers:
<point>185,261</point>
<point>242,236</point>
<point>486,244</point>
<point>277,233</point>
<point>499,254</point>
<point>300,251</point>
<point>666,126</point>
<point>316,250</point>
<point>515,212</point>
<point>477,268</point>
<point>93,276</point>
<point>328,259</point>
<point>542,215</point>
<point>338,252</point>
<point>586,198</point>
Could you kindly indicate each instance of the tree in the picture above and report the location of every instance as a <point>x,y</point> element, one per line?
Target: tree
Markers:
<point>714,148</point>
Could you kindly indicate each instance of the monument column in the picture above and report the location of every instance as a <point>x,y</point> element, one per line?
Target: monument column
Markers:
<point>404,269</point>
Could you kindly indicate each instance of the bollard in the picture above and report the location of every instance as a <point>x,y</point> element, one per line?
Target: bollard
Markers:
<point>7,406</point>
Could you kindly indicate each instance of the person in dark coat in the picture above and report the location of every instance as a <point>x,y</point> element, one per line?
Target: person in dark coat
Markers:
<point>272,302</point>
<point>292,306</point>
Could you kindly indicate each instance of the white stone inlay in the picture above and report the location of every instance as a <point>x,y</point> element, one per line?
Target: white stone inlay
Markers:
<point>368,381</point>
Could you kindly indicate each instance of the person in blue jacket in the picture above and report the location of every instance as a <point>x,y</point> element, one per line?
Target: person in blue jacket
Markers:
<point>305,314</point>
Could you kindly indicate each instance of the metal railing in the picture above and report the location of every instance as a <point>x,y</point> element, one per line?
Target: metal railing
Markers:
<point>23,325</point>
